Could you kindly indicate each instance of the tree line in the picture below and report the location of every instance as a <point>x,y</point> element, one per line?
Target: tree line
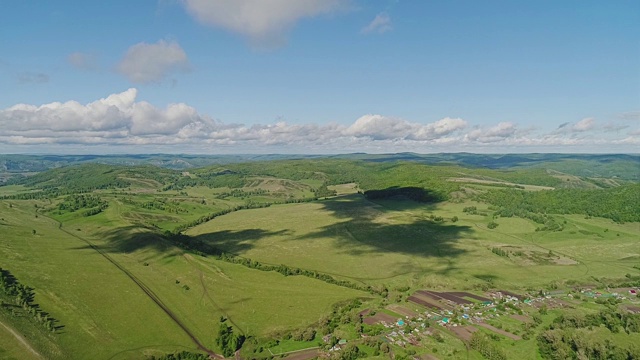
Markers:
<point>620,204</point>
<point>21,297</point>
<point>571,336</point>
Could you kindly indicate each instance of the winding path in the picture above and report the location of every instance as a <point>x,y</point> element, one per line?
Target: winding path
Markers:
<point>22,340</point>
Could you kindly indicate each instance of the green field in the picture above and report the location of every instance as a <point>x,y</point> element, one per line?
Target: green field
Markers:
<point>396,242</point>
<point>98,244</point>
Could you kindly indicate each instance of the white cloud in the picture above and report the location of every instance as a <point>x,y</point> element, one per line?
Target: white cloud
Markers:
<point>378,127</point>
<point>120,121</point>
<point>264,22</point>
<point>83,61</point>
<point>118,116</point>
<point>497,133</point>
<point>147,63</point>
<point>583,125</point>
<point>380,24</point>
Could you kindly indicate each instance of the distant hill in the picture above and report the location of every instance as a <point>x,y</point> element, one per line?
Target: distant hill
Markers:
<point>620,166</point>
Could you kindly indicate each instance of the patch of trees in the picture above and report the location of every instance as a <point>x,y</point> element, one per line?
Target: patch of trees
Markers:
<point>323,191</point>
<point>342,313</point>
<point>620,204</point>
<point>227,341</point>
<point>240,193</point>
<point>183,355</point>
<point>20,301</point>
<point>162,204</point>
<point>571,336</point>
<point>218,179</point>
<point>93,203</point>
<point>500,252</point>
<point>77,179</point>
<point>472,210</point>
<point>413,193</point>
<point>490,350</point>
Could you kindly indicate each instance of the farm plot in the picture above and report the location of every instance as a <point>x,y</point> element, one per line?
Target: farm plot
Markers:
<point>499,331</point>
<point>402,310</point>
<point>446,296</point>
<point>463,332</point>
<point>379,318</point>
<point>427,304</point>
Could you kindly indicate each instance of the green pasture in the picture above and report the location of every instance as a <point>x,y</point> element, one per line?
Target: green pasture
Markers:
<point>11,348</point>
<point>397,242</point>
<point>99,305</point>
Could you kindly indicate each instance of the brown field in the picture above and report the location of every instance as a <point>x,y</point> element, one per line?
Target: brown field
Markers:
<point>499,331</point>
<point>429,305</point>
<point>303,355</point>
<point>402,310</point>
<point>379,318</point>
<point>463,332</point>
<point>523,318</point>
<point>468,295</point>
<point>429,294</point>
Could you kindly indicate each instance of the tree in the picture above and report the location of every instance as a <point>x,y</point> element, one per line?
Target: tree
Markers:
<point>351,352</point>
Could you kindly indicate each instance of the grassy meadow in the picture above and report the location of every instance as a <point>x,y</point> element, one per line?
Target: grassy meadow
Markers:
<point>109,271</point>
<point>396,242</point>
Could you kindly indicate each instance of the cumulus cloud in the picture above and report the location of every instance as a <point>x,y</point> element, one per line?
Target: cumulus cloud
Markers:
<point>83,61</point>
<point>148,63</point>
<point>378,127</point>
<point>32,78</point>
<point>117,116</point>
<point>497,133</point>
<point>121,120</point>
<point>380,24</point>
<point>583,125</point>
<point>264,22</point>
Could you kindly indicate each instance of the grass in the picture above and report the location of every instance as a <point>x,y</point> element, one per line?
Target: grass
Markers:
<point>11,348</point>
<point>98,304</point>
<point>90,272</point>
<point>394,242</point>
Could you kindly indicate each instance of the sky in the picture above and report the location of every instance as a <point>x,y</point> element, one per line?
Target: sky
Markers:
<point>319,76</point>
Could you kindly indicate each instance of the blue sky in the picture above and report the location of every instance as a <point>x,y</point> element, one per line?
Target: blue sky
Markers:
<point>319,76</point>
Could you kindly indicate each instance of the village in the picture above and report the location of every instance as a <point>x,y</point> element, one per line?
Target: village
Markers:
<point>430,315</point>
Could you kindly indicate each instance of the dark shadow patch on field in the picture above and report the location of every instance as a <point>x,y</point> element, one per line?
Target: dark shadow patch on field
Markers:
<point>414,193</point>
<point>131,239</point>
<point>236,242</point>
<point>490,278</point>
<point>363,229</point>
